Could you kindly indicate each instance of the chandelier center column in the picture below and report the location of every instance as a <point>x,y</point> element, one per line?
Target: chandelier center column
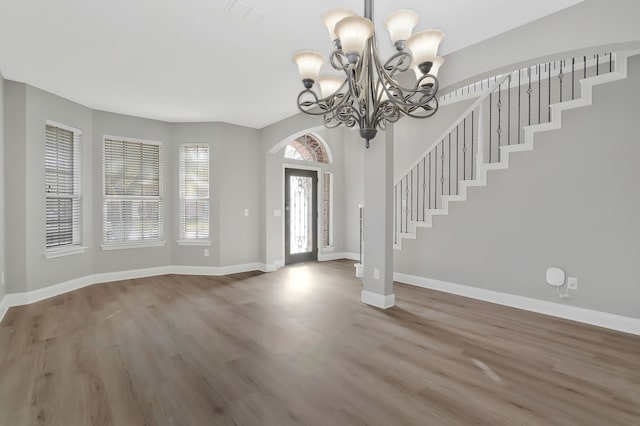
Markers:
<point>378,223</point>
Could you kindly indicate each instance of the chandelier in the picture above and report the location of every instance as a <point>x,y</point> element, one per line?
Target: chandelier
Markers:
<point>370,95</point>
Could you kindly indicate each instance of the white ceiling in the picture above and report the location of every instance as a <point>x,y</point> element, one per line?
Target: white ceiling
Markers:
<point>207,60</point>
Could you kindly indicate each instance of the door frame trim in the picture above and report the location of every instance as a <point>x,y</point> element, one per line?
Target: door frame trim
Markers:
<point>319,207</point>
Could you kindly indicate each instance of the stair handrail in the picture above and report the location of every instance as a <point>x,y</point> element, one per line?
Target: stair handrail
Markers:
<point>496,84</point>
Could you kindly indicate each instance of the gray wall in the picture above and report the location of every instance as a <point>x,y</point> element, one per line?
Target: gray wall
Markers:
<point>2,191</point>
<point>27,110</point>
<point>571,203</point>
<point>413,137</point>
<point>15,113</point>
<point>583,26</point>
<point>272,188</point>
<point>235,177</point>
<point>42,106</point>
<point>354,152</point>
<point>239,165</point>
<point>106,123</point>
<point>204,133</point>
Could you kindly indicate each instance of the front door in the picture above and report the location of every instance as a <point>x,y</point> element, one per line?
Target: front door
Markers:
<point>300,215</point>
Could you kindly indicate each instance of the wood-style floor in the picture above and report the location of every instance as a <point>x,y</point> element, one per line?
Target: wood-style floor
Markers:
<point>297,347</point>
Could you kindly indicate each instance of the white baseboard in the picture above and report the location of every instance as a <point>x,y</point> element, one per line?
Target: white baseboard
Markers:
<point>272,267</point>
<point>25,298</point>
<point>106,277</point>
<point>4,306</point>
<point>218,270</point>
<point>574,313</point>
<point>378,300</point>
<point>323,257</point>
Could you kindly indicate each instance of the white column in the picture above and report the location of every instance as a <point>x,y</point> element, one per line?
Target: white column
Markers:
<point>378,222</point>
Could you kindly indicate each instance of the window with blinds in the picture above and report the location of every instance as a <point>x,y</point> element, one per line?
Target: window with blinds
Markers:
<point>62,187</point>
<point>327,210</point>
<point>132,198</point>
<point>194,192</point>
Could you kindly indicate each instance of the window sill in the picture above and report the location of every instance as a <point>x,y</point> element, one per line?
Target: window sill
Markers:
<point>206,243</point>
<point>124,246</point>
<point>64,251</point>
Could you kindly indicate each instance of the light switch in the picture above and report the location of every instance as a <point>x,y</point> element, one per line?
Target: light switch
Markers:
<point>277,212</point>
<point>246,212</point>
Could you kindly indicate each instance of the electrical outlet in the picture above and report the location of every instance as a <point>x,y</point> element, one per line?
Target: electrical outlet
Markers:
<point>376,273</point>
<point>572,283</point>
<point>246,212</point>
<point>206,252</point>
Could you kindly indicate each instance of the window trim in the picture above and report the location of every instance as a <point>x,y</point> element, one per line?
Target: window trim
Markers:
<point>183,241</point>
<point>132,245</point>
<point>120,245</point>
<point>321,143</point>
<point>194,242</point>
<point>331,245</point>
<point>78,248</point>
<point>53,253</point>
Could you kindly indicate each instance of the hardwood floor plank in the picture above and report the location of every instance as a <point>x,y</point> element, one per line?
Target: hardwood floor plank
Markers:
<point>298,347</point>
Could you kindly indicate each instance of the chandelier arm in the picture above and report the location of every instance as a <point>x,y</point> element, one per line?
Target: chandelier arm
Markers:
<point>404,97</point>
<point>306,106</point>
<point>403,64</point>
<point>370,96</point>
<point>386,111</point>
<point>348,115</point>
<point>435,84</point>
<point>326,105</point>
<point>393,90</point>
<point>338,61</point>
<point>432,109</point>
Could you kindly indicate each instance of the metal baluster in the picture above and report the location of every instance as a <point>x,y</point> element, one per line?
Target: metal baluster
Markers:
<point>395,214</point>
<point>457,161</point>
<point>529,92</point>
<point>560,77</point>
<point>401,204</point>
<point>490,108</point>
<point>406,209</point>
<point>449,167</point>
<point>424,183</point>
<point>585,66</point>
<point>417,192</point>
<point>509,110</point>
<point>435,179</point>
<point>519,96</point>
<point>464,149</point>
<point>442,171</point>
<point>410,196</point>
<point>573,78</point>
<point>499,129</point>
<point>430,167</point>
<point>473,113</point>
<point>549,103</point>
<point>539,91</point>
<point>610,62</point>
<point>597,64</point>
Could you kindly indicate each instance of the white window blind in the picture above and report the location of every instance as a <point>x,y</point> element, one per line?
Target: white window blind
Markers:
<point>62,187</point>
<point>327,210</point>
<point>132,199</point>
<point>194,192</point>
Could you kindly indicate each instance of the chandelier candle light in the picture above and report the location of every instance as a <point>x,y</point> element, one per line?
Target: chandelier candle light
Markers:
<point>369,95</point>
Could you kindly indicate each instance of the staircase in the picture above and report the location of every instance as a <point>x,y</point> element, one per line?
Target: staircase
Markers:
<point>508,111</point>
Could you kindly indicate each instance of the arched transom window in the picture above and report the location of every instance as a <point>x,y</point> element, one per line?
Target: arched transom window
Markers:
<point>307,148</point>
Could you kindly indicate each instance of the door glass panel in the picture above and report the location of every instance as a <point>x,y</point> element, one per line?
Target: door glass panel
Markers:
<point>300,225</point>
